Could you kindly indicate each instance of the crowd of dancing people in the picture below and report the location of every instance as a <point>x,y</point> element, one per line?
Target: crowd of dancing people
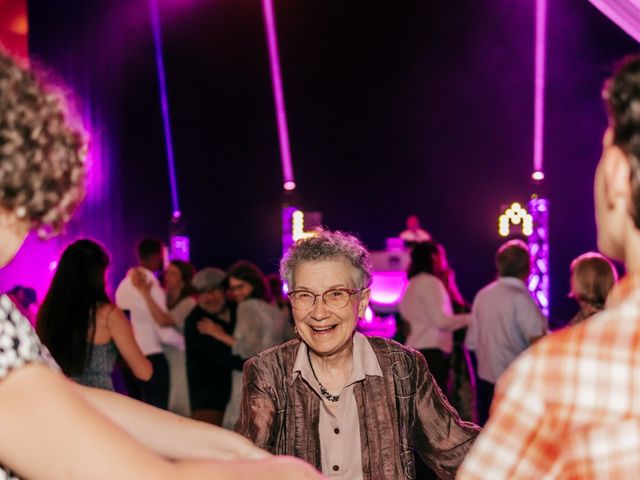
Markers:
<point>478,390</point>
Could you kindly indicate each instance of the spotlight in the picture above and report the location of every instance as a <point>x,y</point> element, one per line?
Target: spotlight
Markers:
<point>289,185</point>
<point>537,175</point>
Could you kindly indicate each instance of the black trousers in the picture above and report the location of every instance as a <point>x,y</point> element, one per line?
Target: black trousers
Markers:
<point>438,362</point>
<point>485,397</point>
<point>154,391</point>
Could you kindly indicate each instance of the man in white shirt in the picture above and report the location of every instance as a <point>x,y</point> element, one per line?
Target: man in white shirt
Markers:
<point>505,321</point>
<point>141,295</point>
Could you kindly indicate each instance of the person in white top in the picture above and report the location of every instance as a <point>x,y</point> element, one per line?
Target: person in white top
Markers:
<point>141,295</point>
<point>426,307</point>
<point>414,234</point>
<point>505,321</point>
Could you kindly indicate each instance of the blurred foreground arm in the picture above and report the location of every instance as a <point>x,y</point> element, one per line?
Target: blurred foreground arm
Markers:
<point>50,432</point>
<point>167,434</point>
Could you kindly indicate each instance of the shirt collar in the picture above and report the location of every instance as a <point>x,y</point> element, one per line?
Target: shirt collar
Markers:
<point>365,362</point>
<point>514,281</point>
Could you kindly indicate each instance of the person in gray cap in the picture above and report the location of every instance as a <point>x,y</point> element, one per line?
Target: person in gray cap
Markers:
<point>209,361</point>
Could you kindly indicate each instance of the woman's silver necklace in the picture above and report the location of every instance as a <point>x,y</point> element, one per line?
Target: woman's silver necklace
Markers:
<point>325,393</point>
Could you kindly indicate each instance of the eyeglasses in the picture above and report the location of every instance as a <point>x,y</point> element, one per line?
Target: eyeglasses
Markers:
<point>334,298</point>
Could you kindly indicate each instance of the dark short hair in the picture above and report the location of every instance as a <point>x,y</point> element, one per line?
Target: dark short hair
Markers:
<point>513,259</point>
<point>621,94</point>
<point>148,247</point>
<point>42,149</point>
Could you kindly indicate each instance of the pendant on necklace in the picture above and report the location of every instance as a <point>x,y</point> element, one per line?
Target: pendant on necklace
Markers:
<point>327,395</point>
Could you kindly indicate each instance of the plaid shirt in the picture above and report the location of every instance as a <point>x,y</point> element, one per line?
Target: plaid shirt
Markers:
<point>569,407</point>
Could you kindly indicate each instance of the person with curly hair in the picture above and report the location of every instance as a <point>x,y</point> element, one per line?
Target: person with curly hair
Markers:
<point>42,158</point>
<point>353,406</point>
<point>53,428</point>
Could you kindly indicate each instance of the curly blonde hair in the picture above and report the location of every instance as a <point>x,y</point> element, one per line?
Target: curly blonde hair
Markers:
<point>42,152</point>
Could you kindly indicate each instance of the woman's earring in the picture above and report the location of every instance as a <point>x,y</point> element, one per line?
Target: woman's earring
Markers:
<point>295,329</point>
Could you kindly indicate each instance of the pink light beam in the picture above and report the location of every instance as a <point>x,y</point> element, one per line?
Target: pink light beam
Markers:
<point>278,94</point>
<point>538,105</point>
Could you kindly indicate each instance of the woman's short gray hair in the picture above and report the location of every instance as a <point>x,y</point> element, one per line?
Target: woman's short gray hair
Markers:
<point>328,245</point>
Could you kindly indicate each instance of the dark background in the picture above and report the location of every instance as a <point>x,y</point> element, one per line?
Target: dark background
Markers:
<point>393,107</point>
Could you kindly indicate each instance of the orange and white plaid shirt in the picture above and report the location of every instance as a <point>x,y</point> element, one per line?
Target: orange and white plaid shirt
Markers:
<point>569,407</point>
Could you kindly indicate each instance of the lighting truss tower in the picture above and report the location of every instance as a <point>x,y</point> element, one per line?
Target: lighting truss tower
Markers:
<point>539,250</point>
<point>539,207</point>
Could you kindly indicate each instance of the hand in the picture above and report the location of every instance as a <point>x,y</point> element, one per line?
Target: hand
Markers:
<point>290,468</point>
<point>139,280</point>
<point>207,326</point>
<point>231,446</point>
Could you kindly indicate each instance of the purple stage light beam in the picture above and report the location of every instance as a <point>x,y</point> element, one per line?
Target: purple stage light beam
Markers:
<point>539,81</point>
<point>164,102</point>
<point>278,94</point>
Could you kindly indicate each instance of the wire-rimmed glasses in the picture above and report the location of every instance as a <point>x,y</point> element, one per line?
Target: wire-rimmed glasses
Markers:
<point>335,298</point>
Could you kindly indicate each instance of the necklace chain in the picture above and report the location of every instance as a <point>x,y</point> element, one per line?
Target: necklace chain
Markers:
<point>325,393</point>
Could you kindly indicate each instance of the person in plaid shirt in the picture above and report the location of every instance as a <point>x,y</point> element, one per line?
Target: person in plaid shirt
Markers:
<point>569,407</point>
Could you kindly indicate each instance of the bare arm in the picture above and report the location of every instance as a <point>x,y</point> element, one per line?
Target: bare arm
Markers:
<point>167,434</point>
<point>144,286</point>
<point>42,418</point>
<point>200,446</point>
<point>49,432</point>
<point>122,335</point>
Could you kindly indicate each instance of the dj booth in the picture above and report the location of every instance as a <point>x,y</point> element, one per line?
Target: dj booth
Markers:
<point>387,287</point>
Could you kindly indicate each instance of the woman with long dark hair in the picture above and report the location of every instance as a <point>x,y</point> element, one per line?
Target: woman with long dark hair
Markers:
<point>426,307</point>
<point>80,326</point>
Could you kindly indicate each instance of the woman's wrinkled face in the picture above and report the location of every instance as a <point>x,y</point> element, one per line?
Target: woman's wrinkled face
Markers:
<point>327,330</point>
<point>239,289</point>
<point>173,278</point>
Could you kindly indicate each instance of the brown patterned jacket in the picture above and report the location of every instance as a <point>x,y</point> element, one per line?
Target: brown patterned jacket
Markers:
<point>399,413</point>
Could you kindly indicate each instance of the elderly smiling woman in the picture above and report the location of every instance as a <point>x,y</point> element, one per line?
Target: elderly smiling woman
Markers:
<point>355,407</point>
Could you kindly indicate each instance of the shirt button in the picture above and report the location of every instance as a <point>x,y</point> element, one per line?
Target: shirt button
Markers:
<point>336,431</point>
<point>336,468</point>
